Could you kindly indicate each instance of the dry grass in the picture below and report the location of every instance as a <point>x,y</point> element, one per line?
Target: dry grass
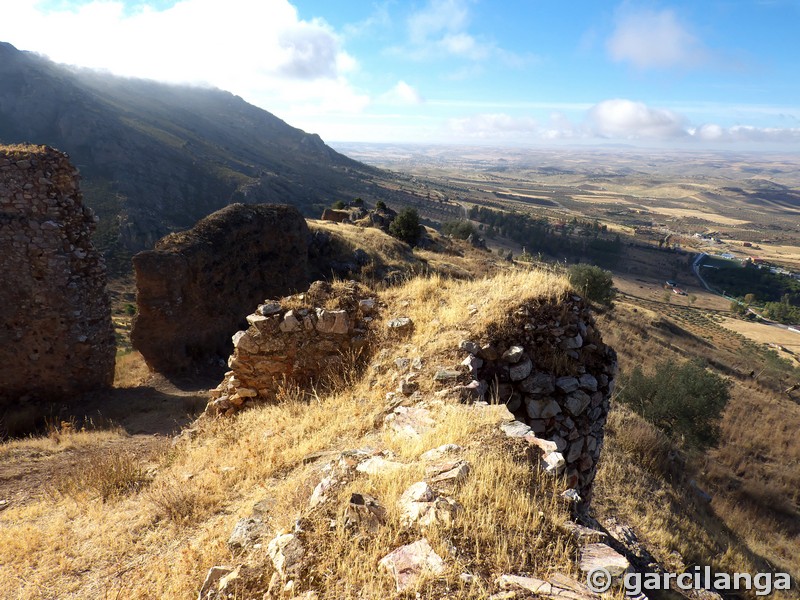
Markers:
<point>18,151</point>
<point>130,370</point>
<point>444,311</point>
<point>65,436</point>
<point>135,531</point>
<point>115,529</point>
<point>753,476</point>
<point>677,526</point>
<point>510,523</point>
<point>115,473</point>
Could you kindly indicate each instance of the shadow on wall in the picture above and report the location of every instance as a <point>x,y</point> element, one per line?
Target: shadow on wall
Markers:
<point>194,287</point>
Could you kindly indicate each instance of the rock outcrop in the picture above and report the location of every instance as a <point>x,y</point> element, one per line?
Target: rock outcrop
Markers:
<point>194,287</point>
<point>56,335</point>
<point>298,340</point>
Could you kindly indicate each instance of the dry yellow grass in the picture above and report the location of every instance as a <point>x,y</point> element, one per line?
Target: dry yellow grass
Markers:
<point>444,310</point>
<point>751,523</point>
<point>130,370</point>
<point>645,486</point>
<point>693,212</point>
<point>154,531</point>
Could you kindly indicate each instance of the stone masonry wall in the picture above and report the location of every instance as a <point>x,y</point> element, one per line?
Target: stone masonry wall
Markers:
<point>56,335</point>
<point>299,340</point>
<point>550,367</point>
<point>194,287</point>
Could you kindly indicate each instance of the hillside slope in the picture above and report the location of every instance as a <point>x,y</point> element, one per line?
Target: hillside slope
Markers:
<point>123,516</point>
<point>157,157</point>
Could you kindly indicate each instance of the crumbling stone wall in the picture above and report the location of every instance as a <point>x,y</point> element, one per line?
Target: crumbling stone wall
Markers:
<point>549,365</point>
<point>299,340</point>
<point>56,335</point>
<point>546,362</point>
<point>194,287</point>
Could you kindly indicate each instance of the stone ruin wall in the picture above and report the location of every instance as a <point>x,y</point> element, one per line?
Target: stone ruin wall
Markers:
<point>547,363</point>
<point>194,287</point>
<point>56,337</point>
<point>295,341</point>
<point>550,367</point>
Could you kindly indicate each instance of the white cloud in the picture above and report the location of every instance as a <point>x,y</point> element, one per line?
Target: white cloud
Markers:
<point>259,49</point>
<point>625,119</point>
<point>379,19</point>
<point>709,132</point>
<point>402,94</point>
<point>492,126</point>
<point>654,39</point>
<point>615,119</point>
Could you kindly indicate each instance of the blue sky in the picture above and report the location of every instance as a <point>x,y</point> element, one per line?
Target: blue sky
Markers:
<point>716,73</point>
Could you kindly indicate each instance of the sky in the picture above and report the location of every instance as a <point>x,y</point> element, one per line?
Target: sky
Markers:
<point>697,74</point>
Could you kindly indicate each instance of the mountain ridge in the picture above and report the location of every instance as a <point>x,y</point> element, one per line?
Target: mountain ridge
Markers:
<point>157,157</point>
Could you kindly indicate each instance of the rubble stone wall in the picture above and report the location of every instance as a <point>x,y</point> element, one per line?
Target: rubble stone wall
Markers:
<point>56,335</point>
<point>550,367</point>
<point>295,341</point>
<point>546,362</point>
<point>194,287</point>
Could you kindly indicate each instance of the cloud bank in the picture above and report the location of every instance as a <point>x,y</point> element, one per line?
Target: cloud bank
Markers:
<point>616,120</point>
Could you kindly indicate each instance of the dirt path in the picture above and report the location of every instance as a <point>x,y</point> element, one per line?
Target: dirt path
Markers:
<point>136,421</point>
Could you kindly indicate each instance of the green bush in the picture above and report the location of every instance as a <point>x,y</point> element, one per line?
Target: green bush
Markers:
<point>406,227</point>
<point>458,229</point>
<point>380,205</point>
<point>593,282</point>
<point>684,400</point>
<point>338,205</point>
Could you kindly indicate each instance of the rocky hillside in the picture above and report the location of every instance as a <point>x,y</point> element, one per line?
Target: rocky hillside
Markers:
<point>379,472</point>
<point>330,488</point>
<point>156,158</point>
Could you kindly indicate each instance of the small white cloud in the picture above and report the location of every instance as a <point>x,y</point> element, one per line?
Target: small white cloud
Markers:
<point>650,39</point>
<point>379,19</point>
<point>708,133</point>
<point>463,44</point>
<point>439,16</point>
<point>402,93</point>
<point>626,119</point>
<point>440,29</point>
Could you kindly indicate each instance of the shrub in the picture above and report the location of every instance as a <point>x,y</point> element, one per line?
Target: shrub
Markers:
<point>593,282</point>
<point>458,229</point>
<point>115,474</point>
<point>380,205</point>
<point>685,401</point>
<point>405,227</point>
<point>338,205</point>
